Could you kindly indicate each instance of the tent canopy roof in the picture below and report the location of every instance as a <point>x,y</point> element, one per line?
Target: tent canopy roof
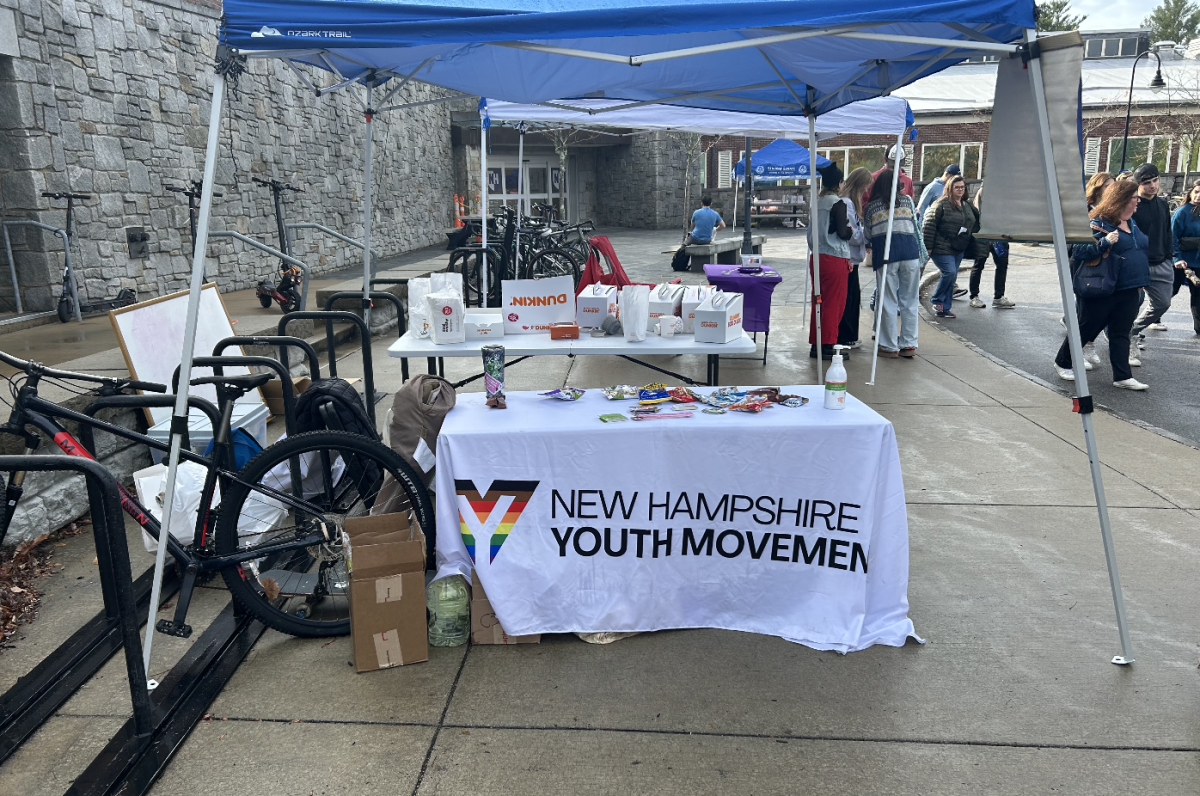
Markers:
<point>781,57</point>
<point>779,159</point>
<point>879,116</point>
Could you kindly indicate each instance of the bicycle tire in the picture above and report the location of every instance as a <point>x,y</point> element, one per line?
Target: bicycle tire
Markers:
<point>554,262</point>
<point>290,596</point>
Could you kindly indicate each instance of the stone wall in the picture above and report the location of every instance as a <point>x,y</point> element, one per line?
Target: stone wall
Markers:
<point>111,98</point>
<point>642,185</point>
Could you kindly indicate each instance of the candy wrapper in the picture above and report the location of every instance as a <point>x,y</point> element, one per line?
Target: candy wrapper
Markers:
<point>713,410</point>
<point>620,392</point>
<point>794,402</point>
<point>750,405</point>
<point>771,394</point>
<point>493,375</point>
<point>683,395</point>
<point>723,397</point>
<point>565,394</point>
<point>644,410</point>
<point>613,418</point>
<point>672,416</point>
<point>647,397</point>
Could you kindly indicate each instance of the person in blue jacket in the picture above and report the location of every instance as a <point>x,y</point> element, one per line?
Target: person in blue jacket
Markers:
<point>1185,235</point>
<point>1117,237</point>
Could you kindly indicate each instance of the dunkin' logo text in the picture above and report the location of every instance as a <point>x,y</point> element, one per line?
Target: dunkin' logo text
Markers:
<point>539,301</point>
<point>735,319</point>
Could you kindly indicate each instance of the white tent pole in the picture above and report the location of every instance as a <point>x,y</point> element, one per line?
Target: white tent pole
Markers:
<point>483,202</point>
<point>813,232</point>
<point>369,115</point>
<point>1083,400</point>
<point>179,418</point>
<point>520,189</point>
<point>881,283</point>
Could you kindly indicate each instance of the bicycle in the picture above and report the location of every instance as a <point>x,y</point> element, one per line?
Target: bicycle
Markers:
<point>276,539</point>
<point>67,298</point>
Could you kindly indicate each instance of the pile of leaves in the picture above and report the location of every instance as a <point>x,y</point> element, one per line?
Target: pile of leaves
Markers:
<point>20,569</point>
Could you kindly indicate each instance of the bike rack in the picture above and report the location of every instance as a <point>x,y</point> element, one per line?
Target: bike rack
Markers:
<point>287,258</point>
<point>329,316</point>
<point>283,371</point>
<point>12,264</point>
<point>375,295</point>
<point>37,695</point>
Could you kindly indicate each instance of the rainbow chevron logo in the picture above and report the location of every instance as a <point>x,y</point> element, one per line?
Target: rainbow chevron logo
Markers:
<point>492,514</point>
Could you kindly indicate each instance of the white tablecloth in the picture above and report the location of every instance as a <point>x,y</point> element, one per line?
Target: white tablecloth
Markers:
<point>790,522</point>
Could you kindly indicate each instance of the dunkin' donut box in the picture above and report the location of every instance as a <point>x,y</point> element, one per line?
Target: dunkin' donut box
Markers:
<point>594,304</point>
<point>719,318</point>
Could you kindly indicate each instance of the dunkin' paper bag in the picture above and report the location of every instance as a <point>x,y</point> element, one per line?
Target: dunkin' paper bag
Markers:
<point>418,313</point>
<point>445,318</point>
<point>634,302</point>
<point>530,305</point>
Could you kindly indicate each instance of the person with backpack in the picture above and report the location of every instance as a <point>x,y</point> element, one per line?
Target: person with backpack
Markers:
<point>1153,218</point>
<point>1121,250</point>
<point>948,228</point>
<point>854,195</point>
<point>831,236</point>
<point>904,266</point>
<point>1185,234</point>
<point>998,250</point>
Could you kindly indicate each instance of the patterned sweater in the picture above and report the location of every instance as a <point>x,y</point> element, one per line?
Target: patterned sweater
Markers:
<point>905,243</point>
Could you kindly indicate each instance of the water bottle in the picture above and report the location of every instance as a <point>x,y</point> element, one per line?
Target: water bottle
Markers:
<point>449,612</point>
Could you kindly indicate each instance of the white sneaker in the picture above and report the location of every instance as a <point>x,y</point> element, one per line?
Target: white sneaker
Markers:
<point>855,344</point>
<point>1141,341</point>
<point>1088,365</point>
<point>1131,384</point>
<point>1066,374</point>
<point>1158,327</point>
<point>1090,355</point>
<point>1004,303</point>
<point>977,303</point>
<point>1134,362</point>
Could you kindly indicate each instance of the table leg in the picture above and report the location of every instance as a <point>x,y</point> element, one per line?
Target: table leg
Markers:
<point>431,365</point>
<point>441,367</point>
<point>766,342</point>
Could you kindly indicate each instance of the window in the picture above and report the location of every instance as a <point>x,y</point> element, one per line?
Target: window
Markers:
<point>1091,156</point>
<point>936,157</point>
<point>982,59</point>
<point>1142,149</point>
<point>852,157</point>
<point>1116,47</point>
<point>724,168</point>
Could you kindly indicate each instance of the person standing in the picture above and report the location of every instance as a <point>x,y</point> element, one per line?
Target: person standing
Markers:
<point>998,250</point>
<point>904,266</point>
<point>1119,241</point>
<point>1096,186</point>
<point>1185,235</point>
<point>854,193</point>
<point>1153,218</point>
<point>933,191</point>
<point>948,227</point>
<point>831,235</point>
<point>705,221</point>
<point>906,183</point>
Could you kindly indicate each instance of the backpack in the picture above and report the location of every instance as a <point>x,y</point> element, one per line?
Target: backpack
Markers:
<point>681,261</point>
<point>245,447</point>
<point>418,410</point>
<point>334,405</point>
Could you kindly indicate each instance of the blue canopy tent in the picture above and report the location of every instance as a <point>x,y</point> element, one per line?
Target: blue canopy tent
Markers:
<point>780,160</point>
<point>795,57</point>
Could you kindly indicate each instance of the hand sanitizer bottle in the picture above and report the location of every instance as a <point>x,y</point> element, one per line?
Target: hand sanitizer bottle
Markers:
<point>835,381</point>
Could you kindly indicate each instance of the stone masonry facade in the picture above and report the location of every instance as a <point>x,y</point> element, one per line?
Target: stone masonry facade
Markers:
<point>112,98</point>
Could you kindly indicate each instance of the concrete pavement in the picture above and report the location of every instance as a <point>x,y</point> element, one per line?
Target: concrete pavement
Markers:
<point>1013,693</point>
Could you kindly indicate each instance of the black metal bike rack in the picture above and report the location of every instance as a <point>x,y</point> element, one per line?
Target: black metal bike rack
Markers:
<point>375,294</point>
<point>281,367</point>
<point>36,696</point>
<point>330,316</point>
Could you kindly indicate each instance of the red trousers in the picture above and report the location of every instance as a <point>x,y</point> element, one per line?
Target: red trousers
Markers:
<point>835,271</point>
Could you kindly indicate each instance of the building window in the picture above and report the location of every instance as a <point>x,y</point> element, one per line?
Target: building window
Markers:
<point>724,168</point>
<point>936,157</point>
<point>1116,47</point>
<point>850,158</point>
<point>982,59</point>
<point>1142,149</point>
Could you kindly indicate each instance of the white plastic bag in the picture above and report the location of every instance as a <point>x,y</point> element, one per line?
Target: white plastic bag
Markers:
<point>189,484</point>
<point>634,302</point>
<point>446,281</point>
<point>418,313</point>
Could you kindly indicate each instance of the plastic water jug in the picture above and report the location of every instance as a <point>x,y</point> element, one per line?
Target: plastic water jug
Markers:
<point>449,612</point>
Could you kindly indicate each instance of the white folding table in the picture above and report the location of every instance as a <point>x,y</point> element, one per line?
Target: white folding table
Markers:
<point>534,345</point>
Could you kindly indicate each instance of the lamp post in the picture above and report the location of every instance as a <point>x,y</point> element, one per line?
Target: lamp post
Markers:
<point>1156,85</point>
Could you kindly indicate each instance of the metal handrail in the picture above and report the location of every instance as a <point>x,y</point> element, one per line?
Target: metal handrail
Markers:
<point>287,258</point>
<point>335,234</point>
<point>12,264</point>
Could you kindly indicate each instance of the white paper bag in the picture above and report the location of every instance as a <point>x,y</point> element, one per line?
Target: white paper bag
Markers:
<point>418,313</point>
<point>529,306</point>
<point>594,304</point>
<point>719,318</point>
<point>447,281</point>
<point>664,300</point>
<point>445,317</point>
<point>693,297</point>
<point>634,301</point>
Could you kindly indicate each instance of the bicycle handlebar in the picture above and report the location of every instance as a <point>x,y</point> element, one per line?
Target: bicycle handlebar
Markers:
<point>283,186</point>
<point>65,195</point>
<point>186,191</point>
<point>26,366</point>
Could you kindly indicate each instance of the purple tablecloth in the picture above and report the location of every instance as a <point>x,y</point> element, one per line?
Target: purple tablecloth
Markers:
<point>757,289</point>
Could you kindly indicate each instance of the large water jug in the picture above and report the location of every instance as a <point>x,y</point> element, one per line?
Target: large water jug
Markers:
<point>449,612</point>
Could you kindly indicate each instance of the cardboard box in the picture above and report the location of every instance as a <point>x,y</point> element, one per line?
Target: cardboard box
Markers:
<point>564,331</point>
<point>693,296</point>
<point>385,557</point>
<point>594,304</point>
<point>272,393</point>
<point>719,318</point>
<point>485,628</point>
<point>483,324</point>
<point>664,300</point>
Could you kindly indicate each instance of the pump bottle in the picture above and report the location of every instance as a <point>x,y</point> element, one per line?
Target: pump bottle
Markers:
<point>835,381</point>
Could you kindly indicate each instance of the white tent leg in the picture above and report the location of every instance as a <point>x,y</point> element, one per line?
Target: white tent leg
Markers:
<point>179,417</point>
<point>483,205</point>
<point>367,275</point>
<point>520,189</point>
<point>881,284</point>
<point>814,247</point>
<point>1083,397</point>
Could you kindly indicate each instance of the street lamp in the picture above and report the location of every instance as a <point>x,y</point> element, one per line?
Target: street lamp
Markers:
<point>1156,85</point>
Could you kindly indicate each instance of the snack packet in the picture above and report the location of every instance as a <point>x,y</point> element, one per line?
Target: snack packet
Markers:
<point>564,394</point>
<point>613,418</point>
<point>620,392</point>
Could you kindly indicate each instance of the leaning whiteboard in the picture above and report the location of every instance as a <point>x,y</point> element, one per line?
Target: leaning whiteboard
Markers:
<point>151,338</point>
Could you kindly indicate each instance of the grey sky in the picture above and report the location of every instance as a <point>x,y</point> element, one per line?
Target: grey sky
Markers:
<point>1111,14</point>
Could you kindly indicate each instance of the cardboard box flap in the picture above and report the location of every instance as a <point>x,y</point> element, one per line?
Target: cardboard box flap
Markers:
<point>382,545</point>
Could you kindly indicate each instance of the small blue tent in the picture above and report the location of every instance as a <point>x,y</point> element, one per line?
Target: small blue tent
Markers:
<point>781,159</point>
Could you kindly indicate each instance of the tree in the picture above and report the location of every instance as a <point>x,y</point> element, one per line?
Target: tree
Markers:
<point>1056,15</point>
<point>1174,20</point>
<point>563,137</point>
<point>694,152</point>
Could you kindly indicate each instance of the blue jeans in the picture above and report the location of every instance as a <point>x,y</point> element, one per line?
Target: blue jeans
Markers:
<point>948,265</point>
<point>900,301</point>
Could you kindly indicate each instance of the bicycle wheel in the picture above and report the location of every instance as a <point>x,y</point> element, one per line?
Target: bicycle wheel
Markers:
<point>304,590</point>
<point>554,262</point>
